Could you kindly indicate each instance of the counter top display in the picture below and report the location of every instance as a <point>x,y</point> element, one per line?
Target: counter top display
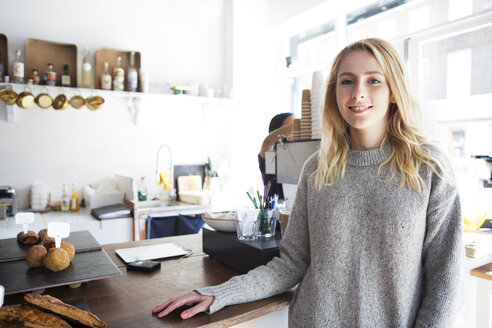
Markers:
<point>127,300</point>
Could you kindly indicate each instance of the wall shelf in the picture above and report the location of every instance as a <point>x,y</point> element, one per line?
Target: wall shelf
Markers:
<point>134,99</point>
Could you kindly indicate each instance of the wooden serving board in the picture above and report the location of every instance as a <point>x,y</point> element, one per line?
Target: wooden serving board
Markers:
<point>12,250</point>
<point>17,277</point>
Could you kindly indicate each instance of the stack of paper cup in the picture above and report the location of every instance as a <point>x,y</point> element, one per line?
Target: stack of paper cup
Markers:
<point>317,90</point>
<point>306,115</point>
<point>296,129</point>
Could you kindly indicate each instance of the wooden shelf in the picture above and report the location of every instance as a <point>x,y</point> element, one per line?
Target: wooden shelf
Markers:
<point>39,53</point>
<point>133,98</point>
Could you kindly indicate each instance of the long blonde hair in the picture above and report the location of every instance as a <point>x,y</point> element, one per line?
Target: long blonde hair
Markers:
<point>407,151</point>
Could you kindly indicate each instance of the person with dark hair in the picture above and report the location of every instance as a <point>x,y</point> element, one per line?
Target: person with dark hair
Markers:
<point>280,125</point>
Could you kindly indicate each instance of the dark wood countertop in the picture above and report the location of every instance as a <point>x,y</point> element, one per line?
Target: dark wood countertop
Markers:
<point>127,300</point>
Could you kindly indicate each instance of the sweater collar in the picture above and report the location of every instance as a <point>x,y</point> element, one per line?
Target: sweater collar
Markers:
<point>368,157</point>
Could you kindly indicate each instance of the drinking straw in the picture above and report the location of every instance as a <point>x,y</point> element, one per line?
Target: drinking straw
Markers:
<point>252,199</point>
<point>261,206</point>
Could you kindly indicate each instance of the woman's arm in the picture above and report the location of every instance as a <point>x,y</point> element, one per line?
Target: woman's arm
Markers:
<point>277,276</point>
<point>443,257</point>
<point>270,140</point>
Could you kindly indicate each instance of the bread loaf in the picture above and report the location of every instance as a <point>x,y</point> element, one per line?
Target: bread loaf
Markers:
<point>67,311</point>
<point>28,316</point>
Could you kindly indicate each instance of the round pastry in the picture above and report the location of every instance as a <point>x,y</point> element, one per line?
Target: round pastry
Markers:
<point>35,256</point>
<point>29,238</point>
<point>68,248</point>
<point>57,259</point>
<point>43,233</point>
<point>48,242</point>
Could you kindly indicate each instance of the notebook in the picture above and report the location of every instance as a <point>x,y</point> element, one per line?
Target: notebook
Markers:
<point>151,252</point>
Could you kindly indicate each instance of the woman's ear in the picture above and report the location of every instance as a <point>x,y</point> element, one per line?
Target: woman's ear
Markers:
<point>392,99</point>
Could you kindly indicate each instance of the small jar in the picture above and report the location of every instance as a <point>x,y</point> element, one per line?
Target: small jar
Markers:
<point>35,76</point>
<point>49,77</point>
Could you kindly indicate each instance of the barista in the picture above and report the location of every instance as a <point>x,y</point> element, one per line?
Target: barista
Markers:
<point>280,125</point>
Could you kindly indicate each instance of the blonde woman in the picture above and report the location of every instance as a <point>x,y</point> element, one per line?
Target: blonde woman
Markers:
<point>374,237</point>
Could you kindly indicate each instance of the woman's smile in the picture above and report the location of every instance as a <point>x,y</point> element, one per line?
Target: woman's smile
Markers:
<point>360,108</point>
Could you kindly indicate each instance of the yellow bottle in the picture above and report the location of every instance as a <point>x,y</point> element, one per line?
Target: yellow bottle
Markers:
<point>74,200</point>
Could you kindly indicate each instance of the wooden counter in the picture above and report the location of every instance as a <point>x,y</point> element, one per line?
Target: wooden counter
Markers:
<point>127,301</point>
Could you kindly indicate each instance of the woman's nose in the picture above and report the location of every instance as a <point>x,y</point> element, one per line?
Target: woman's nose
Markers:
<point>359,92</point>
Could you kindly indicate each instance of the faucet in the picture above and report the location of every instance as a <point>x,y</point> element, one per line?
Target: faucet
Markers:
<point>172,192</point>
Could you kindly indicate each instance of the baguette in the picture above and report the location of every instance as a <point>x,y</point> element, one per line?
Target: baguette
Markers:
<point>28,316</point>
<point>66,311</point>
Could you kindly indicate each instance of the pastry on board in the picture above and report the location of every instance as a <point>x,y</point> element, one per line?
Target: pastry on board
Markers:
<point>67,311</point>
<point>69,248</point>
<point>29,316</point>
<point>43,233</point>
<point>57,259</point>
<point>35,256</point>
<point>29,238</point>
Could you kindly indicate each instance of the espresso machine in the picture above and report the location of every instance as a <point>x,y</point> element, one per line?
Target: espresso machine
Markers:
<point>8,202</point>
<point>486,182</point>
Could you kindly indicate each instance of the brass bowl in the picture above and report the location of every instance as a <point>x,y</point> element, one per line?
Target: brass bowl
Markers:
<point>8,95</point>
<point>60,102</point>
<point>94,102</point>
<point>44,100</point>
<point>25,100</point>
<point>77,102</point>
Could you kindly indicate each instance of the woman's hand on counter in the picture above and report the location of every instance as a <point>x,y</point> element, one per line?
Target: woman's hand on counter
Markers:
<point>201,304</point>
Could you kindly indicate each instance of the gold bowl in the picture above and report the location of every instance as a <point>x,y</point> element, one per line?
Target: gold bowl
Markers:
<point>94,102</point>
<point>77,102</point>
<point>60,102</point>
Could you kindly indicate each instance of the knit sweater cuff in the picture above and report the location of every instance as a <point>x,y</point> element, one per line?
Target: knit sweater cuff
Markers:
<point>223,295</point>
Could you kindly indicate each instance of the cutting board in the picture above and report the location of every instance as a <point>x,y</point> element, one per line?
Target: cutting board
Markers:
<point>189,182</point>
<point>12,250</point>
<point>17,277</point>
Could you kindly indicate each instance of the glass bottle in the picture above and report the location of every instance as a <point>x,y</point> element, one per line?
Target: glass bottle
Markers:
<point>66,80</point>
<point>119,76</point>
<point>2,73</point>
<point>18,68</point>
<point>142,190</point>
<point>132,75</point>
<point>65,201</point>
<point>74,200</point>
<point>35,76</point>
<point>49,76</point>
<point>106,78</point>
<point>86,81</point>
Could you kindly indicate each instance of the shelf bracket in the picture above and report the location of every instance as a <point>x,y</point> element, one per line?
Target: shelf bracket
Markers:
<point>134,108</point>
<point>9,112</point>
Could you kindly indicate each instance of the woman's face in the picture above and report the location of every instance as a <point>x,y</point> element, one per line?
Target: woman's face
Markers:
<point>363,94</point>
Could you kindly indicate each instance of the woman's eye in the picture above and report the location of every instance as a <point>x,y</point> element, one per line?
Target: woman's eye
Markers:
<point>346,82</point>
<point>374,81</point>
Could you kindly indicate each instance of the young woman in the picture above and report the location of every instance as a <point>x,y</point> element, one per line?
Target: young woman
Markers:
<point>374,237</point>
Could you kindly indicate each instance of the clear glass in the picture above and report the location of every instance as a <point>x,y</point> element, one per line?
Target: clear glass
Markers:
<point>267,222</point>
<point>247,224</point>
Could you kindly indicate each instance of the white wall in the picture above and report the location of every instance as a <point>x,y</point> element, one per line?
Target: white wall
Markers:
<point>180,41</point>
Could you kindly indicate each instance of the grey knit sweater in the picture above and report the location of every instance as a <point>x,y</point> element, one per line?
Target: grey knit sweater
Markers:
<point>365,252</point>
